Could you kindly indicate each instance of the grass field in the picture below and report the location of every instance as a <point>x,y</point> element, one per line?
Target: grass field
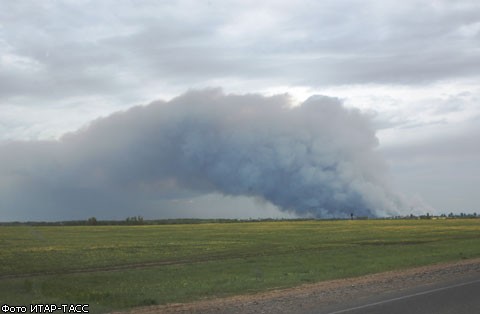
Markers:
<point>118,267</point>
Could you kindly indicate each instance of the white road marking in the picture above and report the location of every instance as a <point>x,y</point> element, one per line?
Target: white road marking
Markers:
<point>404,297</point>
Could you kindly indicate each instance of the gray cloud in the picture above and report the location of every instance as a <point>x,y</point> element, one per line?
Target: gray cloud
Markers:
<point>456,142</point>
<point>443,167</point>
<point>68,49</point>
<point>318,159</point>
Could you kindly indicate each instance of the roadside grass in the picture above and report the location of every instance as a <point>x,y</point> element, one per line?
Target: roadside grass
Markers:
<point>179,263</point>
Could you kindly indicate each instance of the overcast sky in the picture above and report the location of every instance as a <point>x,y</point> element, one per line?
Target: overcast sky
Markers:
<point>412,68</point>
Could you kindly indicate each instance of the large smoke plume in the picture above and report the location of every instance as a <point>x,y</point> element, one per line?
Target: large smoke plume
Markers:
<point>316,159</point>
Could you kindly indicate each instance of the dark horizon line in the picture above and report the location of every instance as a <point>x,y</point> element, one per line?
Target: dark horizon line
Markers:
<point>138,220</point>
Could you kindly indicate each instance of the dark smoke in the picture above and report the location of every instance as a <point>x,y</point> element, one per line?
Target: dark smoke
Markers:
<point>317,159</point>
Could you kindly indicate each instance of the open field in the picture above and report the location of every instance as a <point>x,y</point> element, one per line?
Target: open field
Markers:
<point>118,267</point>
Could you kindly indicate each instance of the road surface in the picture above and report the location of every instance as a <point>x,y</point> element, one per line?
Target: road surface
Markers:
<point>458,297</point>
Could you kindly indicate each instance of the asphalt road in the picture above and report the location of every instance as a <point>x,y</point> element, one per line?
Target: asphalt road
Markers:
<point>459,297</point>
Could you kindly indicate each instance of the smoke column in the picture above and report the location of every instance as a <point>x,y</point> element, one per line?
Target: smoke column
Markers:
<point>317,159</point>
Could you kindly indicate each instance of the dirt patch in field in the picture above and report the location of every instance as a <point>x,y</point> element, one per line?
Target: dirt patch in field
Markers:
<point>310,296</point>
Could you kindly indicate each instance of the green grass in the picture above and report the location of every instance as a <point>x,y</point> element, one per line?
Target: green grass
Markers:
<point>178,263</point>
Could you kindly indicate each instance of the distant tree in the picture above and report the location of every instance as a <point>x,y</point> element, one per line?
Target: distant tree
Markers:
<point>92,221</point>
<point>134,220</point>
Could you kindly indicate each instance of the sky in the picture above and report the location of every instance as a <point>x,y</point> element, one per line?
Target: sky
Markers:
<point>404,75</point>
